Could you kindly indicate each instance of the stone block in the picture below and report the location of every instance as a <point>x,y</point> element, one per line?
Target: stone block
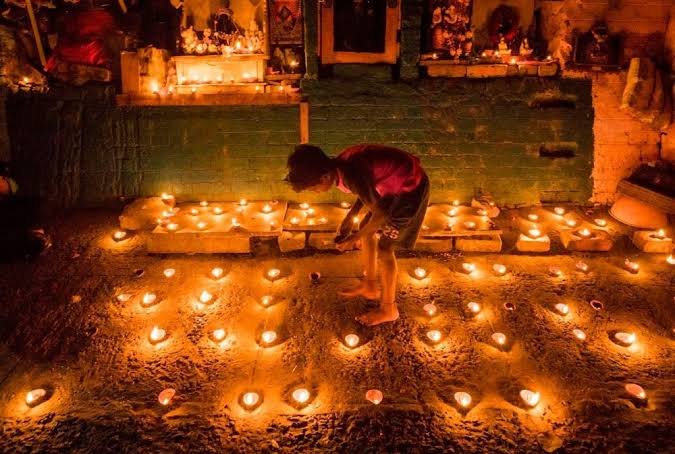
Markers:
<point>599,241</point>
<point>190,242</point>
<point>321,240</point>
<point>479,244</point>
<point>434,245</point>
<point>647,241</point>
<point>142,214</point>
<point>291,241</point>
<point>527,244</point>
<point>484,71</point>
<point>548,70</point>
<point>528,70</point>
<point>446,70</point>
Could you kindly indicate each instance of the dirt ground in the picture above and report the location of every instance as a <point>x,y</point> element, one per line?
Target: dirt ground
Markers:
<point>63,329</point>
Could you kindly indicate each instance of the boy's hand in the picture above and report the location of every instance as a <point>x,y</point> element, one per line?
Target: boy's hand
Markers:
<point>347,243</point>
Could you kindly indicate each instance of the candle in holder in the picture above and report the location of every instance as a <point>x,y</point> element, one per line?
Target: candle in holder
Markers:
<point>584,233</point>
<point>455,203</point>
<point>579,334</point>
<point>582,266</point>
<point>250,400</point>
<point>499,269</point>
<point>266,300</point>
<point>631,266</point>
<point>243,202</point>
<point>559,211</point>
<point>463,399</point>
<point>571,223</point>
<point>322,220</point>
<point>562,308</point>
<point>473,307</point>
<point>534,233</point>
<point>167,198</point>
<point>374,396</point>
<point>304,205</point>
<point>267,208</point>
<point>310,212</point>
<point>201,225</point>
<point>194,211</point>
<point>172,226</point>
<point>294,220</point>
<point>168,213</point>
<point>351,340</point>
<point>481,212</point>
<point>169,272</point>
<point>355,220</point>
<point>217,210</point>
<point>554,271</point>
<point>420,273</point>
<point>636,390</point>
<point>452,212</point>
<point>301,395</point>
<point>123,297</point>
<point>531,398</point>
<point>533,217</point>
<point>600,222</point>
<point>157,335</point>
<point>470,225</point>
<point>205,297</point>
<point>268,337</point>
<point>149,299</point>
<point>345,204</point>
<point>499,338</point>
<point>659,234</point>
<point>273,273</point>
<point>434,335</point>
<point>203,203</point>
<point>35,396</point>
<point>119,235</point>
<point>430,309</point>
<point>217,272</point>
<point>165,396</point>
<point>218,334</point>
<point>670,259</point>
<point>625,338</point>
<point>468,267</point>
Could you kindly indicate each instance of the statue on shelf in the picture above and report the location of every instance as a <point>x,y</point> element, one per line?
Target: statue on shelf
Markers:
<point>450,32</point>
<point>525,49</point>
<point>502,47</point>
<point>189,37</point>
<point>597,52</point>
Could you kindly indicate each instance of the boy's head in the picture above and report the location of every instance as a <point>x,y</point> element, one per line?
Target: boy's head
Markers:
<point>310,169</point>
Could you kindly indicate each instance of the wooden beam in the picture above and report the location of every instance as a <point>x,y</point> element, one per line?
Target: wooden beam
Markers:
<point>36,32</point>
<point>304,121</point>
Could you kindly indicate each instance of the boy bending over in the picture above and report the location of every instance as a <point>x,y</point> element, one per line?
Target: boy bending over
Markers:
<point>392,186</point>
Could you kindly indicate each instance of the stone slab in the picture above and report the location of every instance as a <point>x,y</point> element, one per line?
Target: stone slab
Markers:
<point>647,242</point>
<point>600,241</point>
<point>528,70</point>
<point>142,214</point>
<point>291,241</point>
<point>322,240</point>
<point>315,217</point>
<point>479,244</point>
<point>527,244</point>
<point>446,70</point>
<point>548,70</point>
<point>162,242</point>
<point>437,220</point>
<point>434,245</point>
<point>484,71</point>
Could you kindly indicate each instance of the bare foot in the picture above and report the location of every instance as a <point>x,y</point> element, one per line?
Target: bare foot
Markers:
<point>367,289</point>
<point>377,316</point>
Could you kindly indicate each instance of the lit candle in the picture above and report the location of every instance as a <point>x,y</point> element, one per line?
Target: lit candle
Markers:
<point>452,212</point>
<point>172,226</point>
<point>169,272</point>
<point>671,259</point>
<point>549,58</point>
<point>481,212</point>
<point>201,225</point>
<point>35,396</point>
<point>194,211</point>
<point>559,211</point>
<point>304,205</point>
<point>205,297</point>
<point>600,222</point>
<point>345,204</point>
<point>322,220</point>
<point>434,335</point>
<point>582,266</point>
<point>659,234</point>
<point>470,225</point>
<point>203,204</point>
<point>266,300</point>
<point>468,267</point>
<point>579,334</point>
<point>217,272</point>
<point>300,395</point>
<point>355,220</point>
<point>119,235</point>
<point>554,271</point>
<point>149,299</point>
<point>310,212</point>
<point>499,269</point>
<point>352,340</point>
<point>562,308</point>
<point>243,202</point>
<point>463,399</point>
<point>631,266</point>
<point>430,309</point>
<point>513,60</point>
<point>250,400</point>
<point>167,198</point>
<point>534,233</point>
<point>267,208</point>
<point>499,338</point>
<point>625,338</point>
<point>154,87</point>
<point>374,396</point>
<point>295,220</point>
<point>420,273</point>
<point>455,203</point>
<point>585,233</point>
<point>168,213</point>
<point>531,398</point>
<point>157,335</point>
<point>166,395</point>
<point>268,337</point>
<point>234,222</point>
<point>218,334</point>
<point>193,90</point>
<point>217,210</point>
<point>533,217</point>
<point>636,390</point>
<point>571,222</point>
<point>473,307</point>
<point>123,297</point>
<point>273,273</point>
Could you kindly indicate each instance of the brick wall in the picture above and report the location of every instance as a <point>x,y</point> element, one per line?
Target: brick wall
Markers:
<point>74,147</point>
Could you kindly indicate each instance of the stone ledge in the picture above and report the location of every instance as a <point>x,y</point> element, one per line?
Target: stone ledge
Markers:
<point>646,241</point>
<point>451,69</point>
<point>601,241</point>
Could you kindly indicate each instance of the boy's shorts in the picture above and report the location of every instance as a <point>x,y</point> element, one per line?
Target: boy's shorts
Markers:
<point>405,214</point>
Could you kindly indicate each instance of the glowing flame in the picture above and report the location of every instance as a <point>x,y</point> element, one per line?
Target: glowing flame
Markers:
<point>499,269</point>
<point>559,211</point>
<point>533,217</point>
<point>273,273</point>
<point>473,307</point>
<point>579,334</point>
<point>205,297</point>
<point>499,338</point>
<point>119,235</point>
<point>268,337</point>
<point>430,309</point>
<point>301,395</point>
<point>434,335</point>
<point>468,267</point>
<point>217,272</point>
<point>35,396</point>
<point>463,399</point>
<point>169,272</point>
<point>562,308</point>
<point>420,273</point>
<point>352,340</point>
<point>266,300</point>
<point>250,399</point>
<point>531,398</point>
<point>625,338</point>
<point>149,299</point>
<point>218,334</point>
<point>600,222</point>
<point>157,335</point>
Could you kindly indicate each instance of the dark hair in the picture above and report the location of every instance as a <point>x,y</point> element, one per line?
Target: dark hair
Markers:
<point>306,165</point>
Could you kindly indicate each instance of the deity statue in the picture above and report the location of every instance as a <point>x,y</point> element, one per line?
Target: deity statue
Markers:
<point>503,47</point>
<point>525,49</point>
<point>189,37</point>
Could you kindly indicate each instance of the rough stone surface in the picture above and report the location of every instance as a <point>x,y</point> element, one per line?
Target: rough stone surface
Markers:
<point>645,241</point>
<point>479,244</point>
<point>527,244</point>
<point>189,242</point>
<point>485,71</point>
<point>321,240</point>
<point>434,245</point>
<point>600,242</point>
<point>291,241</point>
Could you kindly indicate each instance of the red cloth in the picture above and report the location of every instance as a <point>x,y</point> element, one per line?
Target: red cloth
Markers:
<point>392,171</point>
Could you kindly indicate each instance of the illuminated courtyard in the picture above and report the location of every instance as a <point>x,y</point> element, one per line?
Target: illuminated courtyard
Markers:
<point>261,361</point>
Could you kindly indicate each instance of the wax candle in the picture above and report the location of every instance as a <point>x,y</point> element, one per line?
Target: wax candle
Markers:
<point>217,272</point>
<point>463,399</point>
<point>123,297</point>
<point>420,273</point>
<point>534,233</point>
<point>468,267</point>
<point>430,309</point>
<point>266,300</point>
<point>659,234</point>
<point>149,299</point>
<point>217,210</point>
<point>301,395</point>
<point>167,198</point>
<point>559,211</point>
<point>434,335</point>
<point>268,337</point>
<point>172,226</point>
<point>273,273</point>
<point>671,259</point>
<point>295,220</point>
<point>452,212</point>
<point>194,211</point>
<point>345,204</point>
<point>571,223</point>
<point>205,297</point>
<point>636,390</point>
<point>499,338</point>
<point>304,205</point>
<point>579,334</point>
<point>562,308</point>
<point>157,335</point>
<point>119,235</point>
<point>554,271</point>
<point>533,217</point>
<point>166,395</point>
<point>374,396</point>
<point>250,400</point>
<point>473,307</point>
<point>470,225</point>
<point>531,398</point>
<point>631,266</point>
<point>267,208</point>
<point>243,202</point>
<point>351,340</point>
<point>582,266</point>
<point>218,334</point>
<point>201,225</point>
<point>203,203</point>
<point>455,203</point>
<point>584,233</point>
<point>35,396</point>
<point>625,338</point>
<point>600,222</point>
<point>169,272</point>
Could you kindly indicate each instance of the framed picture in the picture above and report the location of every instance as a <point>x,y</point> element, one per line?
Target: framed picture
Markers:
<point>285,21</point>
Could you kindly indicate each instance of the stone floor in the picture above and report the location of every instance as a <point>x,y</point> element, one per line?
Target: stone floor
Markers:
<point>65,330</point>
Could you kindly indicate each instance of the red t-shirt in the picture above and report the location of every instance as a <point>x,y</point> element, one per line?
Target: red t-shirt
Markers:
<point>387,170</point>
